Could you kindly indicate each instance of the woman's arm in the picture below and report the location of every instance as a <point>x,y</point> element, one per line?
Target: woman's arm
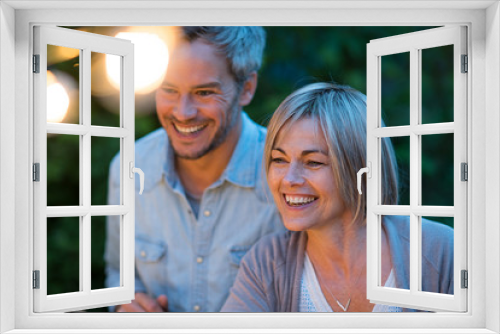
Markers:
<point>253,289</point>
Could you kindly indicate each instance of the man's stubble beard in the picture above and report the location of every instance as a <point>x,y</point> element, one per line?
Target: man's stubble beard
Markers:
<point>220,136</point>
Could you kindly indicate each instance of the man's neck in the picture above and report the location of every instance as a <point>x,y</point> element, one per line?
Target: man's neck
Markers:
<point>197,175</point>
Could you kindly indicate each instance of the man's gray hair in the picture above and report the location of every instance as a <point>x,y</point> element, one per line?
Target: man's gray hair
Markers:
<point>242,46</point>
<point>341,113</point>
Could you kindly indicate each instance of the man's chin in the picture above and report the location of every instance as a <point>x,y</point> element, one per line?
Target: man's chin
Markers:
<point>191,154</point>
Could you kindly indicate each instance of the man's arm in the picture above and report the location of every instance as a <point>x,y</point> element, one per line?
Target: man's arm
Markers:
<point>142,302</point>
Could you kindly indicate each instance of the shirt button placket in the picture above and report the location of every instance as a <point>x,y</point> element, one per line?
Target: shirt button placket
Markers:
<point>202,244</point>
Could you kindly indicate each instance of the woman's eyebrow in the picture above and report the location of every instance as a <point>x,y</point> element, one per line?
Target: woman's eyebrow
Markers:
<point>279,150</point>
<point>304,153</point>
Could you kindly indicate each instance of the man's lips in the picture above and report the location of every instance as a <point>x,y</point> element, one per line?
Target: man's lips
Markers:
<point>189,129</point>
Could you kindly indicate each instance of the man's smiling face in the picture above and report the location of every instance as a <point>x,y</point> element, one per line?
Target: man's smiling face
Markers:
<point>198,102</point>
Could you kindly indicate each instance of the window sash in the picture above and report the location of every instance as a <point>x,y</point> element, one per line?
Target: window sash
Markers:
<point>86,297</point>
<point>413,43</point>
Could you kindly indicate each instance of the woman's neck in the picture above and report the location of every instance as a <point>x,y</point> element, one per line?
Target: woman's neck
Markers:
<point>338,251</point>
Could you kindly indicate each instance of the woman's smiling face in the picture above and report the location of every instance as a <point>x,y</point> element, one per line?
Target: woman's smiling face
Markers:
<point>301,178</point>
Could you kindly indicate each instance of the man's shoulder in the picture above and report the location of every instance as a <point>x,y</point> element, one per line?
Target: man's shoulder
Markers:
<point>146,148</point>
<point>257,131</point>
<point>152,141</point>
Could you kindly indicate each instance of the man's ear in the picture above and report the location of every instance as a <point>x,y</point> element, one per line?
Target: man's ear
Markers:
<point>248,90</point>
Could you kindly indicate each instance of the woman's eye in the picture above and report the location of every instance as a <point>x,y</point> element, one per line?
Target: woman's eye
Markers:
<point>277,160</point>
<point>315,163</point>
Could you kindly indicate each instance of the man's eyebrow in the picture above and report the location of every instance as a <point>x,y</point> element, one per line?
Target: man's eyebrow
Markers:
<point>205,85</point>
<point>208,85</point>
<point>166,83</point>
<point>304,153</point>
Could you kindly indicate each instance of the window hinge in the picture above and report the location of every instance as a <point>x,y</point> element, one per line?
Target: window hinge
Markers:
<point>36,172</point>
<point>465,64</point>
<point>36,63</point>
<point>465,279</point>
<point>36,279</point>
<point>464,171</point>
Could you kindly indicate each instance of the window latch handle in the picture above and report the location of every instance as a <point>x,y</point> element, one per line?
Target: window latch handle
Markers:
<point>368,171</point>
<point>134,170</point>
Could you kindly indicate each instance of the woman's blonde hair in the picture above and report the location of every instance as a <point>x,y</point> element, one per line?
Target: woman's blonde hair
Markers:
<point>341,112</point>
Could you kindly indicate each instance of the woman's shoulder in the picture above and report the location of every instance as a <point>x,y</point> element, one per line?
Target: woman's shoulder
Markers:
<point>437,238</point>
<point>274,248</point>
<point>431,230</point>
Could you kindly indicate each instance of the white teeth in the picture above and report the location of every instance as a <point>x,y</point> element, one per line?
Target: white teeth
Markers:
<point>296,200</point>
<point>188,130</point>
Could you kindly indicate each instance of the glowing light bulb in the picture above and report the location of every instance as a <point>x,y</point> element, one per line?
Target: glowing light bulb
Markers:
<point>57,100</point>
<point>150,61</point>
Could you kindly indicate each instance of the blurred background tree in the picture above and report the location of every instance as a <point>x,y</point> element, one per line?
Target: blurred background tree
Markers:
<point>294,57</point>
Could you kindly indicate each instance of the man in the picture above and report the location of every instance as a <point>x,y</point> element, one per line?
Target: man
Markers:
<point>205,200</point>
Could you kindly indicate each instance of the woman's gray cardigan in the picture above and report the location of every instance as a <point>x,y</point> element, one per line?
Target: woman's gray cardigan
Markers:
<point>269,276</point>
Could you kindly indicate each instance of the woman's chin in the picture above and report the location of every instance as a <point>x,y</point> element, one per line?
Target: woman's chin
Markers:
<point>295,225</point>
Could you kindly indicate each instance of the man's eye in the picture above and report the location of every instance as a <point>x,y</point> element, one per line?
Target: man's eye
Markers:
<point>205,92</point>
<point>169,90</point>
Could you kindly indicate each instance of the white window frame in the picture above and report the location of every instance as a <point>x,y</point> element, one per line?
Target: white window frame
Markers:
<point>413,44</point>
<point>16,21</point>
<point>87,43</point>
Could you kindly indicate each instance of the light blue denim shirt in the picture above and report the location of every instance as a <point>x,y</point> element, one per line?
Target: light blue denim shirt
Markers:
<point>193,261</point>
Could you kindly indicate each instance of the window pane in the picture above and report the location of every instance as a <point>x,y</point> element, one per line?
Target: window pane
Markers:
<point>63,170</point>
<point>98,234</point>
<point>388,273</point>
<point>434,232</point>
<point>437,170</point>
<point>401,147</point>
<point>105,89</point>
<point>437,84</point>
<point>103,149</point>
<point>63,73</point>
<point>395,92</point>
<point>63,255</point>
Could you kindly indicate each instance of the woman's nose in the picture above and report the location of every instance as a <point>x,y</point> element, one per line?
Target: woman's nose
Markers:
<point>294,175</point>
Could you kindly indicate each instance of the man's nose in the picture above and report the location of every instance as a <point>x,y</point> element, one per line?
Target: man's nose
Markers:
<point>184,109</point>
<point>294,175</point>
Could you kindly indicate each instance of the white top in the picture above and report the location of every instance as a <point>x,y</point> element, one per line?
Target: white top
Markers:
<point>313,300</point>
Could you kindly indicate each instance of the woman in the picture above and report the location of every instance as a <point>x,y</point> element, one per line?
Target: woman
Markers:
<point>316,143</point>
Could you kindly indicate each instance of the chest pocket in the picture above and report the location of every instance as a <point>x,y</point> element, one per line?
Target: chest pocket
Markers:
<point>146,251</point>
<point>237,253</point>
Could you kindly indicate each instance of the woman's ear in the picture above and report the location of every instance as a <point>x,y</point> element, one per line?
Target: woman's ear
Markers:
<point>248,90</point>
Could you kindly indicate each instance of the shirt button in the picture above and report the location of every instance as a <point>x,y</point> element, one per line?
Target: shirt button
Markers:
<point>199,259</point>
<point>207,213</point>
<point>196,308</point>
<point>143,254</point>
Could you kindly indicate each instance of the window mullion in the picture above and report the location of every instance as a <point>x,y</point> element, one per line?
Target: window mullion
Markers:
<point>414,170</point>
<point>85,163</point>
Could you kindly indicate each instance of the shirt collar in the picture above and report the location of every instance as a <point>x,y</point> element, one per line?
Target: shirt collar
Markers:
<point>242,169</point>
